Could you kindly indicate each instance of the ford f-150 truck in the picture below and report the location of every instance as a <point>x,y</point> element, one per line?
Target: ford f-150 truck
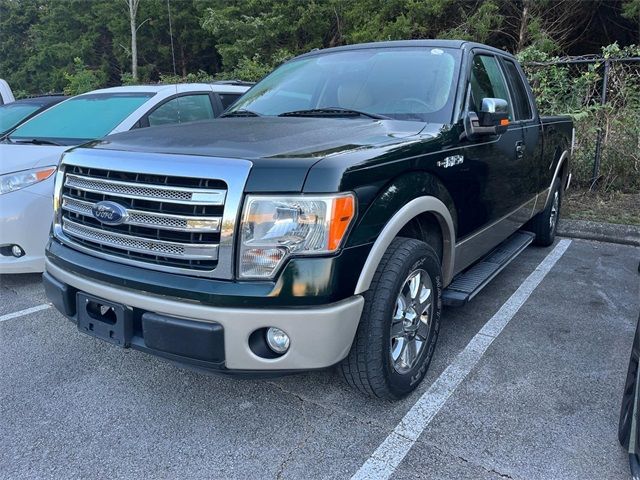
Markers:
<point>324,220</point>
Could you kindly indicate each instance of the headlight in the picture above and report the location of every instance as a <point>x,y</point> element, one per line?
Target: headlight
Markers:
<point>17,180</point>
<point>275,228</point>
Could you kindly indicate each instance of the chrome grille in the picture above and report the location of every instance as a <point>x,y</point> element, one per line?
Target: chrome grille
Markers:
<point>150,247</point>
<point>140,191</point>
<point>172,222</point>
<point>147,219</point>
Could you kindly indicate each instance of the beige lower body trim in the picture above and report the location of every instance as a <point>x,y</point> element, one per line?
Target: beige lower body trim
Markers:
<point>563,158</point>
<point>320,337</point>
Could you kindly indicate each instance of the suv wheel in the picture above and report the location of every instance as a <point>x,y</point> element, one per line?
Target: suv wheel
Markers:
<point>399,326</point>
<point>545,224</point>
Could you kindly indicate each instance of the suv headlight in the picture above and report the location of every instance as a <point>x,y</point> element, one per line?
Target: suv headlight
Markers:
<point>275,228</point>
<point>11,182</point>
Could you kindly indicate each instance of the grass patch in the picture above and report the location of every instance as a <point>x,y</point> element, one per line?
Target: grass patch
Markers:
<point>613,207</point>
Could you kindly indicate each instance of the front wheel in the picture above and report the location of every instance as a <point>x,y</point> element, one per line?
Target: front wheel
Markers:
<point>399,325</point>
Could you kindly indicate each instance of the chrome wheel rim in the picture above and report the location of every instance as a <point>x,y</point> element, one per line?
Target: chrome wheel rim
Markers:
<point>553,217</point>
<point>411,321</point>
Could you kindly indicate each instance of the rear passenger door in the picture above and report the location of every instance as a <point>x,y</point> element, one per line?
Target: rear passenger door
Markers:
<point>525,118</point>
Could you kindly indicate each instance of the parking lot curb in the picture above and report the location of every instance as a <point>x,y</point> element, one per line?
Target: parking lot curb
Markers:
<point>603,232</point>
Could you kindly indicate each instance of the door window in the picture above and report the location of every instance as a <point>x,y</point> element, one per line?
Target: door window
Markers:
<point>487,82</point>
<point>228,99</point>
<point>187,108</point>
<point>519,91</point>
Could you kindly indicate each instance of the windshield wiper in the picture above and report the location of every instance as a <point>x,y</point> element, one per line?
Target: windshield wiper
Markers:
<point>332,112</point>
<point>33,141</point>
<point>241,113</point>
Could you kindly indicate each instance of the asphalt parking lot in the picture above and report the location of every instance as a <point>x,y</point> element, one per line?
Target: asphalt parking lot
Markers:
<point>542,400</point>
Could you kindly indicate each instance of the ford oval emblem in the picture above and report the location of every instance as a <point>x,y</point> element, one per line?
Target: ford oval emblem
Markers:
<point>110,213</point>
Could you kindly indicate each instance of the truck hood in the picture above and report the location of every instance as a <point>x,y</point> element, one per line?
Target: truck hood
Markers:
<point>15,157</point>
<point>263,137</point>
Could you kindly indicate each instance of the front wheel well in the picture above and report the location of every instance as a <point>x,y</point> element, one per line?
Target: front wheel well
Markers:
<point>426,228</point>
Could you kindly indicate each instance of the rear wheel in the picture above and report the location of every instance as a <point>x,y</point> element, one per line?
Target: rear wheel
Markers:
<point>545,224</point>
<point>399,326</point>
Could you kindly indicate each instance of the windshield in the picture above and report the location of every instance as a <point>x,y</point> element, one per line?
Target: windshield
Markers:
<point>404,83</point>
<point>12,114</point>
<point>80,119</point>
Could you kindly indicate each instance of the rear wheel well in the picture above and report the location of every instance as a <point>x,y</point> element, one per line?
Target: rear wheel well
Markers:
<point>564,172</point>
<point>425,227</point>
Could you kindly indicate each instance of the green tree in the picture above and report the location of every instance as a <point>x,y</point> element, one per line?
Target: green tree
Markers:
<point>39,39</point>
<point>255,35</point>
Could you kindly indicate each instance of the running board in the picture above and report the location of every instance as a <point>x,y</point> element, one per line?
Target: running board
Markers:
<point>468,284</point>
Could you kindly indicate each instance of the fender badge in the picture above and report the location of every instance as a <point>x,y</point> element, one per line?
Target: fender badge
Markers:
<point>451,161</point>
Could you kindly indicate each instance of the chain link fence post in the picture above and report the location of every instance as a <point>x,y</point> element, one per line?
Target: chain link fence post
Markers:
<point>603,101</point>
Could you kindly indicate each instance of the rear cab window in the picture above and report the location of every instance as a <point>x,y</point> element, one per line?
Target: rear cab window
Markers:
<point>519,93</point>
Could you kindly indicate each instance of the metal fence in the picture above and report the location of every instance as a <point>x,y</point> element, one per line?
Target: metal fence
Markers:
<point>603,96</point>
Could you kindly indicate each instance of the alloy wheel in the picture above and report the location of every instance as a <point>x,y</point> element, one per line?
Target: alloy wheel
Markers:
<point>411,322</point>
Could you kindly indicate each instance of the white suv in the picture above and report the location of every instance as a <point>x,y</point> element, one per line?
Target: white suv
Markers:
<point>31,152</point>
<point>6,95</point>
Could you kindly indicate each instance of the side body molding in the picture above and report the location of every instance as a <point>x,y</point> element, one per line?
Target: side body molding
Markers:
<point>392,228</point>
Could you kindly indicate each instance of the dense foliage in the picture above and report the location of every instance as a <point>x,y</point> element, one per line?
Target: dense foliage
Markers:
<point>577,90</point>
<point>39,39</point>
<point>78,45</point>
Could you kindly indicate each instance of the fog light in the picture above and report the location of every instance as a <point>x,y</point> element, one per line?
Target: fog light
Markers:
<point>277,340</point>
<point>16,251</point>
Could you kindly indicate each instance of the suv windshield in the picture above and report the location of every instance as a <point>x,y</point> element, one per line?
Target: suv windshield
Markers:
<point>405,83</point>
<point>80,119</point>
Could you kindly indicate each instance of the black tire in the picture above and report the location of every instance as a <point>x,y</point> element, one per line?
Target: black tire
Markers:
<point>369,366</point>
<point>629,393</point>
<point>541,224</point>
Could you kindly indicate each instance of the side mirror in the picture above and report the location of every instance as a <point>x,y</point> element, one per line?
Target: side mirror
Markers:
<point>493,118</point>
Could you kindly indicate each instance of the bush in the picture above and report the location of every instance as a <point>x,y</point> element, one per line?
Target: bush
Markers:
<point>82,79</point>
<point>199,77</point>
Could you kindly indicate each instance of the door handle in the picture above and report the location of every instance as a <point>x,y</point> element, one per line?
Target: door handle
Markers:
<point>520,149</point>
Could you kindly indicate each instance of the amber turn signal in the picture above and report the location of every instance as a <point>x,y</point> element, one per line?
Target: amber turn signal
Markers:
<point>343,211</point>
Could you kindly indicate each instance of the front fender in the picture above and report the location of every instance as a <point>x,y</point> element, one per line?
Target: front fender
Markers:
<point>401,200</point>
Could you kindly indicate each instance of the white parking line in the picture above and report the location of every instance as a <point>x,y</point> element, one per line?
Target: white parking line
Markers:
<point>26,311</point>
<point>383,462</point>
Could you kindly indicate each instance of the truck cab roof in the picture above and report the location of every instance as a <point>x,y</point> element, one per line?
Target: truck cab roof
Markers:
<point>457,44</point>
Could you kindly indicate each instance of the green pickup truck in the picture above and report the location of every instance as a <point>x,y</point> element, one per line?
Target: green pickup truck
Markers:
<point>324,220</point>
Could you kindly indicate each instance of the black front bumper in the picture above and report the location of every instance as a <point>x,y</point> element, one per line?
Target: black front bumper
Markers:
<point>188,342</point>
